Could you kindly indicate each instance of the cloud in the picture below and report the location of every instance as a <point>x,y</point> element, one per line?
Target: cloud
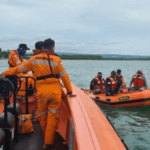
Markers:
<point>88,26</point>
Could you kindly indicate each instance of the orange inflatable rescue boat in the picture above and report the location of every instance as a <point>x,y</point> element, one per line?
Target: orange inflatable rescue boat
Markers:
<point>126,99</point>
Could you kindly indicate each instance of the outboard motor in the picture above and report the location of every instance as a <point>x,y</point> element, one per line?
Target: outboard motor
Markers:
<point>15,108</point>
<point>7,120</point>
<point>2,139</point>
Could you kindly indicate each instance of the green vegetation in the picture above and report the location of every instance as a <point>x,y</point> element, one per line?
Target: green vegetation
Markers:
<point>4,54</point>
<point>81,56</point>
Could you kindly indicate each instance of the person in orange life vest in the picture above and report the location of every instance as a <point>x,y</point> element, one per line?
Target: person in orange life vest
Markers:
<point>38,47</point>
<point>120,79</point>
<point>139,81</point>
<point>97,84</point>
<point>47,68</point>
<point>16,56</point>
<point>112,87</point>
<point>15,59</point>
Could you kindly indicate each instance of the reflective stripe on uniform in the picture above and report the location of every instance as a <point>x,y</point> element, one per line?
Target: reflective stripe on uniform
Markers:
<point>18,62</point>
<point>63,73</point>
<point>42,112</point>
<point>109,82</point>
<point>22,69</point>
<point>43,62</point>
<point>53,111</point>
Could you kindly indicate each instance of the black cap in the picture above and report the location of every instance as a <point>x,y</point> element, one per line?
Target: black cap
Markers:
<point>118,71</point>
<point>113,72</point>
<point>39,45</point>
<point>49,42</point>
<point>24,46</point>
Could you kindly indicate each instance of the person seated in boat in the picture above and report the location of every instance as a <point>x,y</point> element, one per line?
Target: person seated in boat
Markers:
<point>112,86</point>
<point>139,81</point>
<point>97,85</point>
<point>120,79</point>
<point>38,47</point>
<point>47,69</point>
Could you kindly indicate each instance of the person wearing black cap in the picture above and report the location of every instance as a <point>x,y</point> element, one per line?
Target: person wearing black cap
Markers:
<point>112,87</point>
<point>120,79</point>
<point>38,47</point>
<point>15,56</point>
<point>139,81</point>
<point>97,85</point>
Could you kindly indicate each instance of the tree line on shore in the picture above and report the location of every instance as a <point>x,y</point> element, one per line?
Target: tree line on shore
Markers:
<point>5,54</point>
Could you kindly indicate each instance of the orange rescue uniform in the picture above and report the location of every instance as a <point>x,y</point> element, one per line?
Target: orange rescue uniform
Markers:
<point>48,89</point>
<point>14,59</point>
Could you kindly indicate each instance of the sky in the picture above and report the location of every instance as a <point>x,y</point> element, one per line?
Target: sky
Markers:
<point>78,26</point>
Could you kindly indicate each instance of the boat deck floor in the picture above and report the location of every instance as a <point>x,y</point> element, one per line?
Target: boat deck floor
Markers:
<point>35,141</point>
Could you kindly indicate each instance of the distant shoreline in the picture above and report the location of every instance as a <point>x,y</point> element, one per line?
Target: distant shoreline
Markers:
<point>72,56</point>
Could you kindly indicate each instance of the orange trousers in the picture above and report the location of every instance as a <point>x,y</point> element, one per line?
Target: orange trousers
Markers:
<point>49,101</point>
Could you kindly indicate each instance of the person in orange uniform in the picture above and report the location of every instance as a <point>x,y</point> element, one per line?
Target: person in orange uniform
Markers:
<point>15,59</point>
<point>15,56</point>
<point>139,81</point>
<point>98,84</point>
<point>47,68</point>
<point>38,47</point>
<point>120,79</point>
<point>112,86</point>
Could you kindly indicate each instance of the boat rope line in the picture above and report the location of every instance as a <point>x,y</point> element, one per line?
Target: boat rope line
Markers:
<point>123,102</point>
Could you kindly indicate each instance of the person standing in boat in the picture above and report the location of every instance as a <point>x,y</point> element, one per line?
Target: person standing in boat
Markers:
<point>112,86</point>
<point>120,79</point>
<point>47,68</point>
<point>139,81</point>
<point>97,85</point>
<point>16,56</point>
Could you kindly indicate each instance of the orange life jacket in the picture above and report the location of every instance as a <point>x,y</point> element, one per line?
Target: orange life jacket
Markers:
<point>101,83</point>
<point>138,81</point>
<point>113,82</point>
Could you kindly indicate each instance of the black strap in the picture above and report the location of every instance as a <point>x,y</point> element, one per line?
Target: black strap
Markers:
<point>50,64</point>
<point>50,75</point>
<point>47,76</point>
